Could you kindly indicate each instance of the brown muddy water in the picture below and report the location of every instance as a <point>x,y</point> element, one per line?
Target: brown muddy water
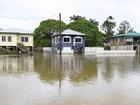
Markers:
<point>45,79</point>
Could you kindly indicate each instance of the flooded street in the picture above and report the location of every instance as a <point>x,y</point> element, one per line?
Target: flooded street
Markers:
<point>45,79</point>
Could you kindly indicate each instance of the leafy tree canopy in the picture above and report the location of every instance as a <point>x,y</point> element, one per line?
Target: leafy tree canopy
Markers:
<point>44,31</point>
<point>76,17</point>
<point>125,27</point>
<point>90,28</point>
<point>108,26</point>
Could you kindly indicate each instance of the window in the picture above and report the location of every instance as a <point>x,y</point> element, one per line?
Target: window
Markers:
<point>66,39</point>
<point>129,43</point>
<point>78,40</point>
<point>3,38</point>
<point>9,38</point>
<point>24,39</point>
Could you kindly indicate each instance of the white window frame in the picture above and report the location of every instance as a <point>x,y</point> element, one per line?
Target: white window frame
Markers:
<point>24,39</point>
<point>78,37</point>
<point>74,40</point>
<point>67,37</point>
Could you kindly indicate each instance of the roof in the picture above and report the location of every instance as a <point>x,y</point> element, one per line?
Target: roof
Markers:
<point>132,34</point>
<point>15,31</point>
<point>71,32</point>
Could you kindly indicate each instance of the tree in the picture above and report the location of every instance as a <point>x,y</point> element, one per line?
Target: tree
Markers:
<point>91,30</point>
<point>108,26</point>
<point>76,17</point>
<point>44,31</point>
<point>94,22</point>
<point>125,27</point>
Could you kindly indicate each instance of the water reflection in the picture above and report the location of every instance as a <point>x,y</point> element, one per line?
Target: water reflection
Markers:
<point>69,80</point>
<point>16,64</point>
<point>78,69</point>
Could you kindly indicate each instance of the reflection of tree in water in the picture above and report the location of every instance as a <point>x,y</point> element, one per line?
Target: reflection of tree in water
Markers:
<point>48,67</point>
<point>118,65</point>
<point>85,69</point>
<point>125,66</point>
<point>53,69</point>
<point>107,69</point>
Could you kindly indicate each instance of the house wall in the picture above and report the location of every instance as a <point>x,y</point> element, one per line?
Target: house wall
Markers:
<point>15,38</point>
<point>6,43</point>
<point>67,47</point>
<point>30,39</point>
<point>123,47</point>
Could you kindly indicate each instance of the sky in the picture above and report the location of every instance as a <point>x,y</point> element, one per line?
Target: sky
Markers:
<point>27,14</point>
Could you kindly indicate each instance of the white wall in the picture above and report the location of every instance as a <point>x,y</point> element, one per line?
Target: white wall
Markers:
<point>6,43</point>
<point>67,50</point>
<point>91,50</point>
<point>128,47</point>
<point>30,40</point>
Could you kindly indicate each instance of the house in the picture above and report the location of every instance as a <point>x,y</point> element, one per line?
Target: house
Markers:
<point>11,38</point>
<point>69,41</point>
<point>129,41</point>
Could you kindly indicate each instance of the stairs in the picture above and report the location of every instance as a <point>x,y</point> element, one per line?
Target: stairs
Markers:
<point>4,49</point>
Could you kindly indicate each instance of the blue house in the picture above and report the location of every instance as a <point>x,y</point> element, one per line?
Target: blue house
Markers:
<point>71,41</point>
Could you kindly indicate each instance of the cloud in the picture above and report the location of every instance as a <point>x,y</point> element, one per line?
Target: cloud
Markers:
<point>35,11</point>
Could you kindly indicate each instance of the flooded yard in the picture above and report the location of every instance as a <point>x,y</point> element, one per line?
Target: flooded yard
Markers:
<point>45,79</point>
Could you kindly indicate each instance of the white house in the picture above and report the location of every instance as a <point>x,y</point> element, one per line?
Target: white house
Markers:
<point>10,38</point>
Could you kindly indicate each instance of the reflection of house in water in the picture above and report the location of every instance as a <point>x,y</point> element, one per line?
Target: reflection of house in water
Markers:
<point>109,67</point>
<point>15,64</point>
<point>53,68</point>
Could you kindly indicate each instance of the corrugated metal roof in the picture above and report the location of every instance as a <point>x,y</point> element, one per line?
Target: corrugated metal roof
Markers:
<point>132,34</point>
<point>71,32</point>
<point>15,30</point>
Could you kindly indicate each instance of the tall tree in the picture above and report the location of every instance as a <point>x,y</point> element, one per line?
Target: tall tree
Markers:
<point>91,30</point>
<point>94,22</point>
<point>125,27</point>
<point>76,17</point>
<point>44,31</point>
<point>108,26</point>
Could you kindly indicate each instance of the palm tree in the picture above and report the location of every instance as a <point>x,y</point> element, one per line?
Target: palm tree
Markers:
<point>76,17</point>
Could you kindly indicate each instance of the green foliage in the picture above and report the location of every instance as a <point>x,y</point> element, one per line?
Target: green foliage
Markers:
<point>90,28</point>
<point>76,17</point>
<point>108,26</point>
<point>107,47</point>
<point>44,31</point>
<point>125,27</point>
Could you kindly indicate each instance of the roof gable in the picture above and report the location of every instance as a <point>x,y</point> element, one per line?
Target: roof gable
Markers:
<point>71,32</point>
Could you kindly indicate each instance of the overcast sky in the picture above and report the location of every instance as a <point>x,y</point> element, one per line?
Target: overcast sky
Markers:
<point>27,14</point>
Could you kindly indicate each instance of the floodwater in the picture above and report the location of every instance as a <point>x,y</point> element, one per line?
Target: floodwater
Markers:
<point>45,79</point>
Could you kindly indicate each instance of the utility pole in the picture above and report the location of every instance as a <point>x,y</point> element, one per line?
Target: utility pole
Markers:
<point>60,32</point>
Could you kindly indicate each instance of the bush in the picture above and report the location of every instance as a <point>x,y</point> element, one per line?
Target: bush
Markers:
<point>107,48</point>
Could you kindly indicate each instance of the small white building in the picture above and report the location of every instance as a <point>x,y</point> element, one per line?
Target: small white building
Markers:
<point>10,38</point>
